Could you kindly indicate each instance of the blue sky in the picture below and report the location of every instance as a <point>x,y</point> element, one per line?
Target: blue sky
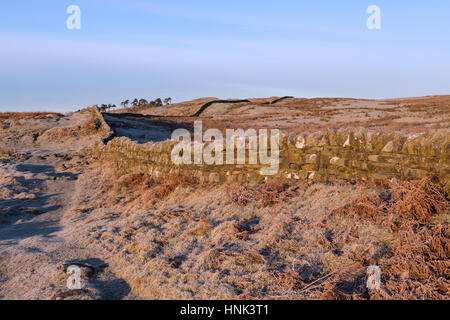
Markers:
<point>226,49</point>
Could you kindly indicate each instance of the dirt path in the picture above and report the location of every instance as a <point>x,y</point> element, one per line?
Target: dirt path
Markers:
<point>35,196</point>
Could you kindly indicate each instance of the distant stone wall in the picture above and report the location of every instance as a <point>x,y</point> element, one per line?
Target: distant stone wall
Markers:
<point>321,156</point>
<point>208,104</point>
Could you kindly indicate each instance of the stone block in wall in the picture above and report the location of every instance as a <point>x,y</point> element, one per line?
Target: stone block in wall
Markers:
<point>416,174</point>
<point>438,144</point>
<point>363,165</point>
<point>334,139</point>
<point>294,166</point>
<point>309,167</point>
<point>379,141</point>
<point>381,177</point>
<point>314,140</point>
<point>336,161</point>
<point>383,168</point>
<point>368,138</point>
<point>311,158</point>
<point>349,141</point>
<point>299,140</point>
<point>214,177</point>
<point>412,144</point>
<point>388,147</point>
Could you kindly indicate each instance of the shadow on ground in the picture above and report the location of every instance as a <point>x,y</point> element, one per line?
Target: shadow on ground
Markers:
<point>20,231</point>
<point>16,212</point>
<point>143,129</point>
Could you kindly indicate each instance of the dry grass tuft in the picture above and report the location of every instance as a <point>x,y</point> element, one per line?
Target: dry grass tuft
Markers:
<point>90,125</point>
<point>6,152</point>
<point>172,182</point>
<point>267,195</point>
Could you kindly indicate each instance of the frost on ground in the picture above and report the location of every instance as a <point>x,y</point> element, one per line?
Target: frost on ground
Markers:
<point>38,176</point>
<point>203,242</point>
<point>137,238</point>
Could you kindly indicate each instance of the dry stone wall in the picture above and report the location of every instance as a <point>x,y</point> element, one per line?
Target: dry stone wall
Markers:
<point>320,156</point>
<point>105,130</point>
